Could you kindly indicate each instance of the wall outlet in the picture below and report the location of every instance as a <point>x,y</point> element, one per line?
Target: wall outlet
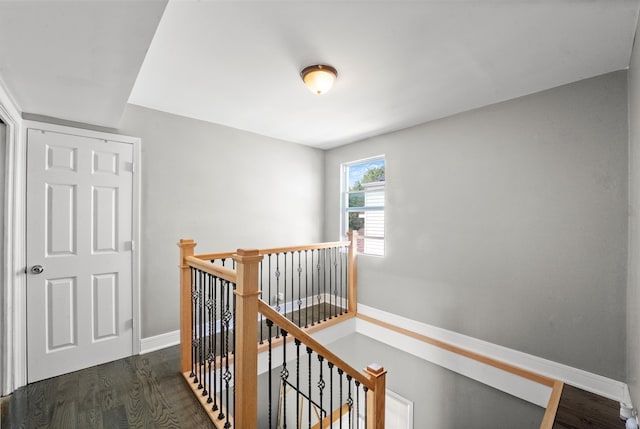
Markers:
<point>281,297</point>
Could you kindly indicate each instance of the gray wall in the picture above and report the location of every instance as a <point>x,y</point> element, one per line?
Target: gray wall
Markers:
<point>222,187</point>
<point>633,284</point>
<point>442,399</point>
<point>508,223</point>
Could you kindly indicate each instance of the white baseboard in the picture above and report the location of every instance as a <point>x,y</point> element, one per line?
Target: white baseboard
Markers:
<point>590,382</point>
<point>151,344</point>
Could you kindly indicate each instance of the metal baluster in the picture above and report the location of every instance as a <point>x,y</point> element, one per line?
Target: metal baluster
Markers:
<point>330,281</point>
<point>211,331</point>
<point>357,383</point>
<point>233,319</point>
<point>204,342</point>
<point>234,342</point>
<point>366,411</point>
<point>330,365</point>
<point>214,328</point>
<point>193,295</point>
<point>261,315</point>
<point>227,373</point>
<point>299,290</point>
<point>270,297</point>
<point>349,400</point>
<point>297,341</point>
<point>284,311</point>
<point>321,388</point>
<point>284,375</point>
<point>319,265</point>
<point>335,281</point>
<point>200,386</point>
<point>345,279</point>
<point>269,340</point>
<point>340,373</point>
<point>324,283</point>
<point>222,354</point>
<point>306,288</point>
<point>293,319</point>
<point>309,351</point>
<point>313,319</point>
<point>342,300</point>
<point>277,286</point>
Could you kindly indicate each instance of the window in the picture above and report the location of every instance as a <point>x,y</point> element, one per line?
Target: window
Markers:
<point>363,203</point>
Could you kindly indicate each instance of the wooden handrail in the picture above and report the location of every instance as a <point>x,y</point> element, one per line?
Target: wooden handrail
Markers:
<point>549,417</point>
<point>213,269</point>
<point>226,255</point>
<point>217,255</point>
<point>310,342</point>
<point>305,247</point>
<point>520,372</point>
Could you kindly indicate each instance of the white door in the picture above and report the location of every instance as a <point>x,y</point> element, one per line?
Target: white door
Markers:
<point>79,252</point>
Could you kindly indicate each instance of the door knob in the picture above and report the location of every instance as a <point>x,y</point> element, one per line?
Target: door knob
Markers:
<point>37,269</point>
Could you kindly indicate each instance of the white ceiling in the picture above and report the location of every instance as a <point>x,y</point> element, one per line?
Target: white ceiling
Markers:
<point>75,60</point>
<point>400,63</point>
<point>237,63</point>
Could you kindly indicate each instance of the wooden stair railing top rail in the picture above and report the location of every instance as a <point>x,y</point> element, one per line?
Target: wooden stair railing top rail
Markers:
<point>328,245</point>
<point>313,344</point>
<point>213,269</point>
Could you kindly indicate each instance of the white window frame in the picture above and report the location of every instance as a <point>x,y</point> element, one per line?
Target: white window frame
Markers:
<point>344,199</point>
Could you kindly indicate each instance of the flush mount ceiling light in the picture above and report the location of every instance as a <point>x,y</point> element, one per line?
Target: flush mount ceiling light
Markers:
<point>319,78</point>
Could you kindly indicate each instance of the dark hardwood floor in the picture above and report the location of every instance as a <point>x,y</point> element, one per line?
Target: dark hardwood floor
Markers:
<point>144,391</point>
<point>579,410</point>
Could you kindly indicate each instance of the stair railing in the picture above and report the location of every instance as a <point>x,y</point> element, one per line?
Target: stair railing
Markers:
<point>220,319</point>
<point>332,392</point>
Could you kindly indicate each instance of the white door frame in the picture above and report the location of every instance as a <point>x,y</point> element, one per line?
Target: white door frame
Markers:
<point>13,363</point>
<point>13,344</point>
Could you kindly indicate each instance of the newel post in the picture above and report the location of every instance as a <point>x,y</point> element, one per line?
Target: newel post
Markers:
<point>186,249</point>
<point>352,281</point>
<point>376,398</point>
<point>246,354</point>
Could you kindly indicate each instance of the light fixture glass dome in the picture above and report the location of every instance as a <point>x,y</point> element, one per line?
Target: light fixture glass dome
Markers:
<point>319,78</point>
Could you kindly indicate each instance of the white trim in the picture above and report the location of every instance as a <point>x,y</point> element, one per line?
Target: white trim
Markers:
<point>62,129</point>
<point>158,342</point>
<point>404,401</point>
<point>512,384</point>
<point>12,338</point>
<point>594,383</point>
<point>136,218</point>
<point>136,249</point>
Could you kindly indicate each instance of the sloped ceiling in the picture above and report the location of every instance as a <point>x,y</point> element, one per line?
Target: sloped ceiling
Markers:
<point>75,60</point>
<point>237,63</point>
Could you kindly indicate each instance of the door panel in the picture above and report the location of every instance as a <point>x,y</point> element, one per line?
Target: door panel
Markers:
<point>60,219</point>
<point>79,226</point>
<point>61,310</point>
<point>105,306</point>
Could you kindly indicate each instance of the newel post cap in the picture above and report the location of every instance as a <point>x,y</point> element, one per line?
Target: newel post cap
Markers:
<point>186,242</point>
<point>375,369</point>
<point>248,255</point>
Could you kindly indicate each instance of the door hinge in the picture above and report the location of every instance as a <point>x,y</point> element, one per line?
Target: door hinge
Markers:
<point>133,246</point>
